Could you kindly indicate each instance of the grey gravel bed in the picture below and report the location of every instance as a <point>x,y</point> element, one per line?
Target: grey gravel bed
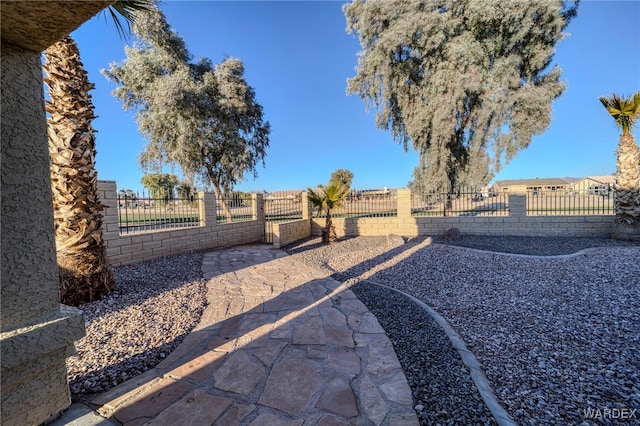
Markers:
<point>430,362</point>
<point>539,246</point>
<point>559,337</point>
<point>155,305</point>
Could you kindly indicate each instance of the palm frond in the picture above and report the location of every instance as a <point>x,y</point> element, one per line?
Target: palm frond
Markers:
<point>128,10</point>
<point>335,194</point>
<point>316,199</point>
<point>624,110</point>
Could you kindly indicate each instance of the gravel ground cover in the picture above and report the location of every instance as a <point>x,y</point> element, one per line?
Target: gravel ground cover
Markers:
<point>155,305</point>
<point>431,364</point>
<point>559,337</point>
<point>537,246</point>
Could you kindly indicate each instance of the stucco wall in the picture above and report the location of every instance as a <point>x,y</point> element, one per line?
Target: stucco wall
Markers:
<point>35,25</point>
<point>28,253</point>
<point>36,332</point>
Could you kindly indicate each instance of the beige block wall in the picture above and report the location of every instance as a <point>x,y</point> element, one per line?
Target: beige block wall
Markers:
<point>516,224</point>
<point>531,226</point>
<point>133,248</point>
<point>287,232</point>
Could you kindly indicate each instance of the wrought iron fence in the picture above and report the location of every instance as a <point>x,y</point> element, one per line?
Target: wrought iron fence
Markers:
<point>593,201</point>
<point>462,202</point>
<point>234,207</point>
<point>138,212</point>
<point>367,203</point>
<point>281,209</point>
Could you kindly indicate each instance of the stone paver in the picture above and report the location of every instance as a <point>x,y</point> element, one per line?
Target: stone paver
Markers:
<point>279,344</point>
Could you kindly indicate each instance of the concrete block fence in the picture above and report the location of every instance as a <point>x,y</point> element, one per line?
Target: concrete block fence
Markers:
<point>288,232</point>
<point>132,248</point>
<point>517,223</point>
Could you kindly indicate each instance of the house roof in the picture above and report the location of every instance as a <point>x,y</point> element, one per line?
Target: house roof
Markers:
<point>572,179</point>
<point>603,179</point>
<point>533,182</point>
<point>290,193</point>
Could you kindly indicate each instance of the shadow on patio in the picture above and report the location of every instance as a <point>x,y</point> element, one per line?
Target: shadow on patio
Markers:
<point>279,343</point>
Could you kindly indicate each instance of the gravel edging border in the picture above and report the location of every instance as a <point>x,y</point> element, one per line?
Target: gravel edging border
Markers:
<point>476,370</point>
<point>468,358</point>
<point>526,256</point>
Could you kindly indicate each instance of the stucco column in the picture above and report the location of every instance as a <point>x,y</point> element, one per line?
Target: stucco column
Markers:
<point>307,207</point>
<point>257,207</point>
<point>207,208</point>
<point>37,333</point>
<point>404,203</point>
<point>518,205</point>
<point>110,215</point>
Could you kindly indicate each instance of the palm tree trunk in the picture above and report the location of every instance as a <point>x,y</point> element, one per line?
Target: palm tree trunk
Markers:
<point>84,271</point>
<point>329,232</point>
<point>627,202</point>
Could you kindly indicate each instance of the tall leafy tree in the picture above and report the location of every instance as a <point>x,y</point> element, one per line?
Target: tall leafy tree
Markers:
<point>128,196</point>
<point>205,119</point>
<point>626,112</point>
<point>342,177</point>
<point>185,189</point>
<point>160,184</point>
<point>466,82</point>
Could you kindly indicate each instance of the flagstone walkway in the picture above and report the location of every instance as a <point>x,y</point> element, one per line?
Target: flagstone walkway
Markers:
<point>280,343</point>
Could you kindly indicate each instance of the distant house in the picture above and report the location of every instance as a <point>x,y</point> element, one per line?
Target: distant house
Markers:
<point>531,185</point>
<point>369,194</point>
<point>595,185</point>
<point>598,185</point>
<point>374,194</point>
<point>288,195</point>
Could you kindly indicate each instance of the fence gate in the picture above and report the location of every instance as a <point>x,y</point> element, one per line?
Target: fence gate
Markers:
<point>280,208</point>
<point>268,232</point>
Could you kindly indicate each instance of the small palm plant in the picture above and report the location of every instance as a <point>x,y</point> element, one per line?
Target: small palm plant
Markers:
<point>626,112</point>
<point>331,197</point>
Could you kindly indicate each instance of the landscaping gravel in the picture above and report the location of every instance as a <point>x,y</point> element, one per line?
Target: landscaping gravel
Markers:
<point>537,246</point>
<point>559,337</point>
<point>431,364</point>
<point>155,305</point>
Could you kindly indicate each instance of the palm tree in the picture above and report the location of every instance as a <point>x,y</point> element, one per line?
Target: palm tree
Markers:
<point>331,197</point>
<point>84,271</point>
<point>625,112</point>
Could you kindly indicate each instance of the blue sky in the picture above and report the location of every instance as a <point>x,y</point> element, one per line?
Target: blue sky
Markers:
<point>298,57</point>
